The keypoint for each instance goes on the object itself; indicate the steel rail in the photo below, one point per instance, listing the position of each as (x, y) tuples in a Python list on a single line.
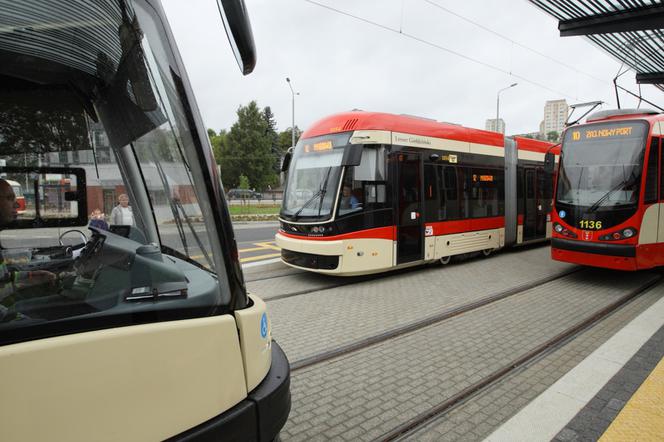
[(550, 345), (417, 325)]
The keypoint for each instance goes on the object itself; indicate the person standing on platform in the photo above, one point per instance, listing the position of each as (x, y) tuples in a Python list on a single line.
[(122, 214)]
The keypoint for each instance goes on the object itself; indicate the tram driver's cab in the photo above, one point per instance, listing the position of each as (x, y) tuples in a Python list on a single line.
[(123, 311)]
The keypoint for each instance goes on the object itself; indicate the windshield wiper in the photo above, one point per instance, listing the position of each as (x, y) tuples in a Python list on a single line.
[(320, 193), (309, 201), (323, 190), (620, 185)]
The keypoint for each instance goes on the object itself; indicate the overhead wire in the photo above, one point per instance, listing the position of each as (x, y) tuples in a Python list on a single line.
[(514, 42), (440, 47)]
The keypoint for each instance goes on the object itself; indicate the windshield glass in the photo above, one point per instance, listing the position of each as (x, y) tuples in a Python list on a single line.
[(601, 164), (94, 137), (313, 177)]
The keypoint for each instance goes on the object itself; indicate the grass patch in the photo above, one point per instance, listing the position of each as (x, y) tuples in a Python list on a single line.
[(254, 210)]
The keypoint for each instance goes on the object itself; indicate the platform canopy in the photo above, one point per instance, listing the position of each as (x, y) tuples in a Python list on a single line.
[(630, 30)]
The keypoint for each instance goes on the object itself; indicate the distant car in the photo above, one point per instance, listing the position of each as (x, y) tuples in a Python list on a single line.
[(244, 194)]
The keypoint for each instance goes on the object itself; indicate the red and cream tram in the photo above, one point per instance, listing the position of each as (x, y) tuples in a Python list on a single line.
[(609, 197), (369, 192)]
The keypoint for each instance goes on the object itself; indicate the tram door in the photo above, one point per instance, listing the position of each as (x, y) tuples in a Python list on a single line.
[(409, 207), (536, 204)]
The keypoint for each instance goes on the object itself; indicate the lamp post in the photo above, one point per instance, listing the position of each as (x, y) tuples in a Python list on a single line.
[(293, 94), (498, 102)]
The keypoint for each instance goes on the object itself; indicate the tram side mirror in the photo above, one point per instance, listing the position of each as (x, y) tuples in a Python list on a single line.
[(235, 17), (47, 196), (285, 162), (352, 155), (549, 163)]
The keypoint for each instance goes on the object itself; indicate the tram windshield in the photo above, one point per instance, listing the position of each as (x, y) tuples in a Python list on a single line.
[(601, 164), (94, 129), (313, 177)]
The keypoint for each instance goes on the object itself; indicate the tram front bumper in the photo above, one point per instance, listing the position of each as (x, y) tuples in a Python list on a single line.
[(611, 256), (320, 256), (259, 417)]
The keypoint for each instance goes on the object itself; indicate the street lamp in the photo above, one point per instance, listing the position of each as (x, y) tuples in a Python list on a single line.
[(498, 102), (293, 94)]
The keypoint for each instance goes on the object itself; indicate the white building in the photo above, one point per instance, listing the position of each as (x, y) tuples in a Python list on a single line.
[(495, 125), (555, 115)]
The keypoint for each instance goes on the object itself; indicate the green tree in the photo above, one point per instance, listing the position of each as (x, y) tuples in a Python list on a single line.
[(244, 182), (275, 150), (552, 136), (218, 141), (247, 150)]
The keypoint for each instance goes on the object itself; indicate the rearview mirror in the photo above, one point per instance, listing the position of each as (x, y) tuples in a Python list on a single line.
[(238, 30), (285, 163), (352, 155), (47, 196), (549, 162)]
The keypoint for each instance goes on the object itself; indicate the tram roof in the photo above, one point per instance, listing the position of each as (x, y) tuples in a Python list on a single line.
[(631, 31), (407, 124)]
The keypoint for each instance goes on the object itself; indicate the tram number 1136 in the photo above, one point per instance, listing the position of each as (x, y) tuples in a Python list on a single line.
[(590, 224)]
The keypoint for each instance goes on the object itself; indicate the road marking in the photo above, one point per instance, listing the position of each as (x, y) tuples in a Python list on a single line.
[(262, 246), (257, 258), (269, 245), (253, 249)]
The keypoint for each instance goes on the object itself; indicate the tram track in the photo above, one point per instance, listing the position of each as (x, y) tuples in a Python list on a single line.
[(558, 341), (417, 325)]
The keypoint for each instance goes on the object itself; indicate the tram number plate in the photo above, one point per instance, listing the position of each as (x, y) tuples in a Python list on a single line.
[(590, 224)]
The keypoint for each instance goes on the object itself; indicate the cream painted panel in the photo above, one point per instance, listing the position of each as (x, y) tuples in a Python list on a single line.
[(649, 225), (429, 142), (485, 149), (519, 234), (658, 128), (310, 246), (502, 237), (660, 224), (529, 155), (425, 142), (549, 229), (366, 254), (458, 243), (430, 247), (371, 137), (256, 349), (137, 383)]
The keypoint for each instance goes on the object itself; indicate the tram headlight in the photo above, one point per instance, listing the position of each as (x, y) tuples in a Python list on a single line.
[(628, 232), (558, 228)]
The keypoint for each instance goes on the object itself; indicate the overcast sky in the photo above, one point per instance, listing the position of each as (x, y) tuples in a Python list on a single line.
[(339, 63)]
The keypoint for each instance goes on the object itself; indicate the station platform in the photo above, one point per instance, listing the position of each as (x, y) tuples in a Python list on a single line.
[(615, 394)]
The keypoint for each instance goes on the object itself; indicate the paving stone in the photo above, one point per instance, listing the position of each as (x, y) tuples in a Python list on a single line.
[(306, 325), (575, 351)]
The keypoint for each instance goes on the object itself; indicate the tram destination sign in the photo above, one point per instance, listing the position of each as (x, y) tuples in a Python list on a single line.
[(605, 131)]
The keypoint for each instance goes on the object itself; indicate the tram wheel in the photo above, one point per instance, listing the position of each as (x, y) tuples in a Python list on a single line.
[(445, 260), (487, 252)]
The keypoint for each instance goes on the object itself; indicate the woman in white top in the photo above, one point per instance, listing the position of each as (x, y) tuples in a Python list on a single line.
[(122, 214)]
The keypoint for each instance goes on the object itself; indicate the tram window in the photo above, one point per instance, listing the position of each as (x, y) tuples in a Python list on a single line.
[(661, 169), (431, 201), (464, 177), (363, 186), (485, 192), (650, 195), (449, 194)]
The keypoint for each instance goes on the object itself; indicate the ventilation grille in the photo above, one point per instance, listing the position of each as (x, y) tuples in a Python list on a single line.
[(350, 124)]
